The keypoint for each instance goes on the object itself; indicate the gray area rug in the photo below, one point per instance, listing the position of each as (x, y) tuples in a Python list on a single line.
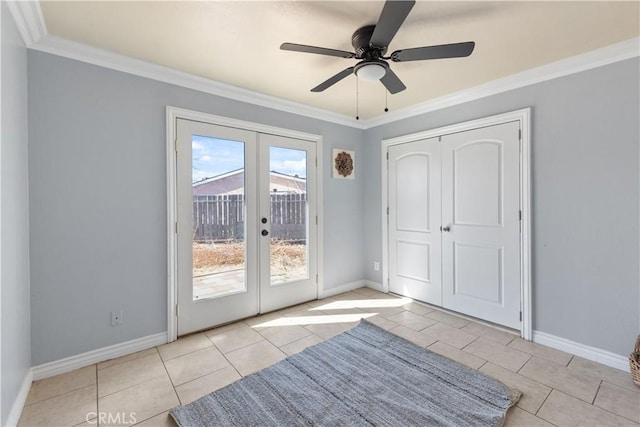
[(362, 377)]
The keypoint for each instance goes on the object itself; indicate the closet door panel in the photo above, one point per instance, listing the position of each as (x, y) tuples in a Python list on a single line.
[(481, 223), (414, 220)]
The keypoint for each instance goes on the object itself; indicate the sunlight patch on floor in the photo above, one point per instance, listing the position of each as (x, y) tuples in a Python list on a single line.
[(364, 303), (314, 320)]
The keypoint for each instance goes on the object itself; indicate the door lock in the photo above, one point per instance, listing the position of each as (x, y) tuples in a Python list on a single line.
[(263, 220)]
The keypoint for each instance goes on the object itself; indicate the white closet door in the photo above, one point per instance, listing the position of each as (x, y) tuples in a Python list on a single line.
[(481, 223), (414, 220)]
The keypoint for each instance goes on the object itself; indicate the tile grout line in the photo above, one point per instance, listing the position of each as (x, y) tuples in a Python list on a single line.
[(61, 394), (244, 346), (279, 347), (595, 396), (510, 341), (529, 412), (594, 406), (604, 409), (125, 361), (635, 389), (231, 364), (175, 392), (570, 360), (525, 364), (468, 344), (524, 377), (169, 376), (542, 404), (133, 385), (617, 415), (170, 380)]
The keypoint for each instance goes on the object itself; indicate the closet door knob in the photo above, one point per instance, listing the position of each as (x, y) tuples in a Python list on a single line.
[(445, 229)]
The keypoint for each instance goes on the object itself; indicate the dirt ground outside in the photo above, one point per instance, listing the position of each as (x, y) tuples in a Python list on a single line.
[(288, 260)]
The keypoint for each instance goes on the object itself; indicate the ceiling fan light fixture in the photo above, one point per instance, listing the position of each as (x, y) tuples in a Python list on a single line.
[(371, 72)]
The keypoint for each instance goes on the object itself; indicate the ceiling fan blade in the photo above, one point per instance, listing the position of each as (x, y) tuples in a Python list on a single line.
[(391, 18), (333, 80), (317, 50), (454, 50), (392, 82)]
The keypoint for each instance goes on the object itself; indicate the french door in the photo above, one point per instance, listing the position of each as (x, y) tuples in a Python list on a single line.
[(247, 233), (454, 222)]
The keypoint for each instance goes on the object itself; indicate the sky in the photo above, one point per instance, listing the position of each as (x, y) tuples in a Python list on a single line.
[(212, 157)]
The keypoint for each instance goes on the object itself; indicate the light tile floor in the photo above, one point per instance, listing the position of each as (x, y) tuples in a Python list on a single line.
[(558, 388)]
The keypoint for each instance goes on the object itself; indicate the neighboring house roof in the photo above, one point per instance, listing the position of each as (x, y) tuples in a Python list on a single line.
[(233, 183)]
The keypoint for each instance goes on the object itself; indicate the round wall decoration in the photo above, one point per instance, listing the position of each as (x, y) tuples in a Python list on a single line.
[(343, 164)]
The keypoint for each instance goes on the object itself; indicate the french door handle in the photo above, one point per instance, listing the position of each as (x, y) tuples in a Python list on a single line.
[(265, 233)]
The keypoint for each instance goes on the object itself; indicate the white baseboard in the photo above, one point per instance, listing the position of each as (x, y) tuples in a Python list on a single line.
[(21, 399), (375, 286), (326, 293), (99, 355), (587, 352)]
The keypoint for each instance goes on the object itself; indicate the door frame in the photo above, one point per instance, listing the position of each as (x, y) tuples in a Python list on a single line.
[(175, 113), (522, 116)]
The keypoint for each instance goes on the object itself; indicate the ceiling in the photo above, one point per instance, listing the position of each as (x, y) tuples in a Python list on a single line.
[(237, 42)]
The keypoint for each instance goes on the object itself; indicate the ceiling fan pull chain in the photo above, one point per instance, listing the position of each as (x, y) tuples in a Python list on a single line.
[(357, 100), (386, 105)]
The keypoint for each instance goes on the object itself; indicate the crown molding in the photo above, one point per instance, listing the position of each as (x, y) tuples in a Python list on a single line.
[(28, 18), (81, 52), (597, 58), (30, 22)]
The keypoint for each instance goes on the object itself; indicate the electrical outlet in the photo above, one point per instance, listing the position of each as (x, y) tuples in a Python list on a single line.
[(116, 318), (376, 265)]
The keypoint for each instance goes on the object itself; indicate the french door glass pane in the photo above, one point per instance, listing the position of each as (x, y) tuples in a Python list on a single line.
[(218, 190), (288, 193)]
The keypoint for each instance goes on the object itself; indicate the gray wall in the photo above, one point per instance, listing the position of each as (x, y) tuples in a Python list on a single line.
[(14, 214), (96, 135), (585, 155), (98, 243)]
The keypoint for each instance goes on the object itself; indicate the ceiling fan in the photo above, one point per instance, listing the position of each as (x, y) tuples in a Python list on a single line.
[(371, 43)]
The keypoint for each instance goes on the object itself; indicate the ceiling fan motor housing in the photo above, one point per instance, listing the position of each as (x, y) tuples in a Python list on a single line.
[(360, 41)]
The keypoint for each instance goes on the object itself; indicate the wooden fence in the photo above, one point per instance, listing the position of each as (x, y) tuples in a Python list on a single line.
[(217, 218)]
